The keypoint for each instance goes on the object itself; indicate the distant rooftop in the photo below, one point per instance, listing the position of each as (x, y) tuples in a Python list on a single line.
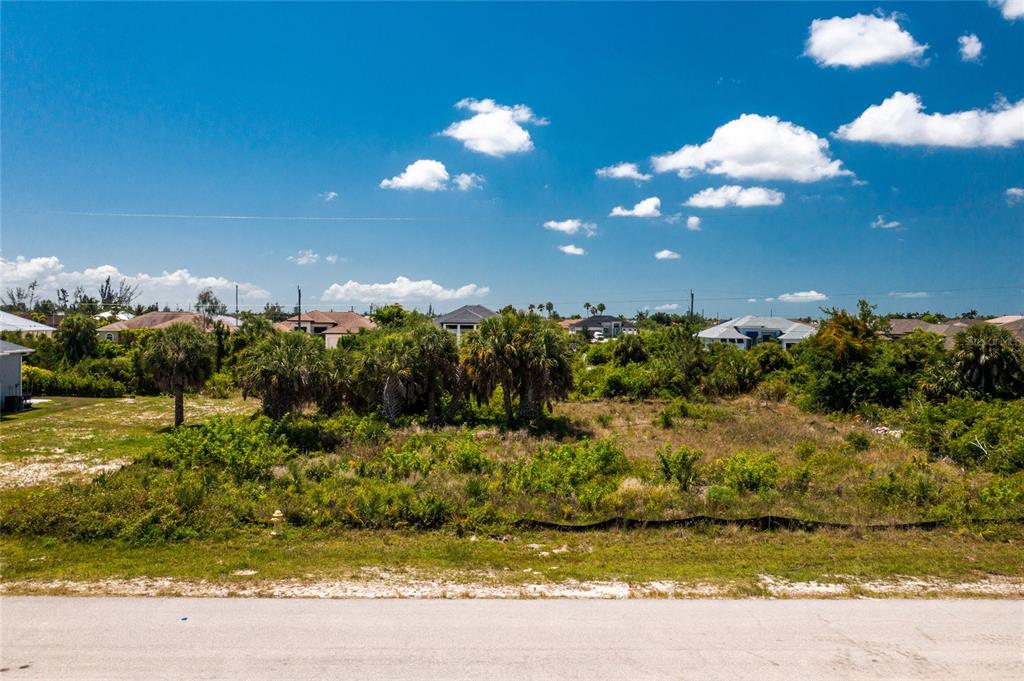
[(467, 314)]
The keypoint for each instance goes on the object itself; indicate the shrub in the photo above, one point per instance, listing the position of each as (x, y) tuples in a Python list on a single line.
[(605, 420), (720, 496), (908, 484), (638, 499), (805, 449), (773, 390), (467, 456), (748, 471), (679, 465), (583, 470), (664, 419), (247, 449), (44, 382), (972, 433), (220, 386), (858, 441)]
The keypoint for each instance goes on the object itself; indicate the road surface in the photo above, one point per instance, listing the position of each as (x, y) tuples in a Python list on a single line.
[(176, 638)]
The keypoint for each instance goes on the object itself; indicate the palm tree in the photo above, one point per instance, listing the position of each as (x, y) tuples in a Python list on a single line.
[(436, 358), (587, 307), (525, 355), (989, 360), (179, 358), (600, 308), (286, 371)]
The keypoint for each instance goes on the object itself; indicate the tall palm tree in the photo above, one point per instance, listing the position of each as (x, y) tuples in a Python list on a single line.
[(77, 337), (286, 371), (179, 358), (436, 358)]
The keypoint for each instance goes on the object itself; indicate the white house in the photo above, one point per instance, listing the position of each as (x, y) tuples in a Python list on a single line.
[(746, 332), (464, 319), (12, 322), (609, 326), (10, 374)]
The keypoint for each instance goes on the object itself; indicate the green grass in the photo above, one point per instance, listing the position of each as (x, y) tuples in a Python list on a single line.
[(731, 557), (101, 428)]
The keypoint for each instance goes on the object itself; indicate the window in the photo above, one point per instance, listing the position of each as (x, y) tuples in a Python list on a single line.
[(110, 336)]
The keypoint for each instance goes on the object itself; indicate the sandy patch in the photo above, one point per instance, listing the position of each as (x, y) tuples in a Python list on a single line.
[(54, 469), (384, 584)]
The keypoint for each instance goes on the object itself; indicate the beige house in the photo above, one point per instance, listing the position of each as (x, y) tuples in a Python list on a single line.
[(330, 325), (161, 320)]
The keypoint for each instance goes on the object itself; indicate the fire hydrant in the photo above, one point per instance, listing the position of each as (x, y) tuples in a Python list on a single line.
[(276, 519)]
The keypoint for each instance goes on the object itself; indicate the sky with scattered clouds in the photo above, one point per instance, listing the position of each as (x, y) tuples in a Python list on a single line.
[(479, 153)]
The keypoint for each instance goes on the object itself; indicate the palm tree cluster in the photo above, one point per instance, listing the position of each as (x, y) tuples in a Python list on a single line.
[(528, 358)]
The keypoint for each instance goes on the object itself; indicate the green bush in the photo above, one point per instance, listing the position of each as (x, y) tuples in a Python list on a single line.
[(858, 441), (972, 433), (245, 448), (220, 386), (749, 471), (679, 465), (584, 471), (44, 382), (721, 497)]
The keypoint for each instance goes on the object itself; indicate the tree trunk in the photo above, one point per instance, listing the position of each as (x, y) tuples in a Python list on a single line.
[(179, 406), (506, 393), (431, 402)]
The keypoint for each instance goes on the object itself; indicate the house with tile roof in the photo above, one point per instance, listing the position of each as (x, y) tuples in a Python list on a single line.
[(330, 325), (746, 332), (161, 320)]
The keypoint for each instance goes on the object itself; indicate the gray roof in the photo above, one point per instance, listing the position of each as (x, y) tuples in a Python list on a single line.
[(467, 314), (791, 331), (12, 322), (13, 349)]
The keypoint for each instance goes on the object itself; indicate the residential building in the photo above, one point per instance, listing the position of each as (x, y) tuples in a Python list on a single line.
[(330, 325), (899, 327), (13, 322), (464, 319), (606, 325), (11, 355), (161, 320), (746, 332)]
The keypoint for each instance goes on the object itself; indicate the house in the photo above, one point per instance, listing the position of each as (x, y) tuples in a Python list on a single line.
[(607, 325), (108, 316), (746, 332), (899, 328), (464, 319), (11, 355), (161, 320), (331, 325), (13, 322)]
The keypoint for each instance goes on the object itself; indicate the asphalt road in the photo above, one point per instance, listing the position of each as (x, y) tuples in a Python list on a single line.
[(149, 638)]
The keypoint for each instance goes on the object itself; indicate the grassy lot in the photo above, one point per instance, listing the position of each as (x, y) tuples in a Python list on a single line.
[(735, 559), (102, 428), (120, 430)]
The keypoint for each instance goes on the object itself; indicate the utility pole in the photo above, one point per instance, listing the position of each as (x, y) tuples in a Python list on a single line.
[(691, 304), (299, 311), (236, 304)]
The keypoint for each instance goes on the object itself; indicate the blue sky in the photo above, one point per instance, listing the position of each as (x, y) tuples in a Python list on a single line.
[(114, 115)]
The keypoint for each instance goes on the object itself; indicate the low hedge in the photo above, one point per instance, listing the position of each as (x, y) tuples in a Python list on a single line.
[(39, 381)]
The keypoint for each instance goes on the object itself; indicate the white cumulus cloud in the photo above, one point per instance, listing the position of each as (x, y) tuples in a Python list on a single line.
[(734, 195), (908, 294), (571, 249), (171, 288), (331, 259), (861, 40), (571, 226), (666, 254), (881, 223), (401, 289), (693, 223), (1015, 195), (648, 208), (668, 306), (970, 47), (900, 120), (306, 257), (466, 181), (623, 171), (494, 129), (425, 174), (811, 296), (328, 196), (756, 147), (1011, 9)]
